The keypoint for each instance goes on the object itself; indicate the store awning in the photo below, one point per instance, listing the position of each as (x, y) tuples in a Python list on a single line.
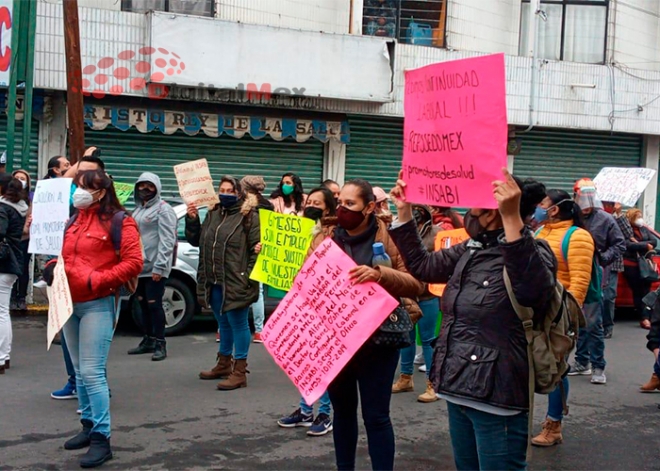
[(98, 117)]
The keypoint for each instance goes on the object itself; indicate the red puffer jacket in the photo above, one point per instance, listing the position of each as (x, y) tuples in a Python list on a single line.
[(92, 267)]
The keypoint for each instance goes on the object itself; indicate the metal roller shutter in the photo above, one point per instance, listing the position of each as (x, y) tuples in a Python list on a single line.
[(34, 145), (129, 153), (375, 150), (560, 157)]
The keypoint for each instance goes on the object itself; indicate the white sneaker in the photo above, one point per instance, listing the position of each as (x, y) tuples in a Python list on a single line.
[(598, 377), (419, 359), (422, 369)]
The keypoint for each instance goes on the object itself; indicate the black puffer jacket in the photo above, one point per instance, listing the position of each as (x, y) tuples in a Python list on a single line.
[(481, 354), (12, 221)]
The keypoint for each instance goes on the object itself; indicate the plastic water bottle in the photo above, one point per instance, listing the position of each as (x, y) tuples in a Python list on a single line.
[(380, 257)]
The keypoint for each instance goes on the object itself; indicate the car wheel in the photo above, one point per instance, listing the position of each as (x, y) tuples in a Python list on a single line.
[(178, 304)]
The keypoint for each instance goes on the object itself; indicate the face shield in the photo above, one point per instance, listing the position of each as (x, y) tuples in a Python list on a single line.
[(588, 200)]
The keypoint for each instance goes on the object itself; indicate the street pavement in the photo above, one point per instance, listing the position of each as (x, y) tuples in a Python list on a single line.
[(164, 417)]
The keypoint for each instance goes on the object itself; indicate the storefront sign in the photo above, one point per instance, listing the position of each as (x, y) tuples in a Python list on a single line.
[(622, 185), (455, 132), (98, 117)]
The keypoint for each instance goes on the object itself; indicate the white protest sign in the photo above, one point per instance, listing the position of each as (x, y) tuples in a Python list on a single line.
[(622, 185), (196, 184), (60, 305), (50, 212)]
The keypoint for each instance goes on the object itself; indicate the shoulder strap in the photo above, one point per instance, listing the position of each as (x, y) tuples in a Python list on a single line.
[(524, 313), (70, 222), (565, 242), (538, 231), (115, 229)]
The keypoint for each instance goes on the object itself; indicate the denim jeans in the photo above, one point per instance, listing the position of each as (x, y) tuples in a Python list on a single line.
[(259, 311), (371, 372), (426, 326), (609, 298), (556, 402), (656, 367), (235, 335), (89, 332), (591, 341), (6, 334), (70, 371), (150, 295), (325, 406), (486, 441)]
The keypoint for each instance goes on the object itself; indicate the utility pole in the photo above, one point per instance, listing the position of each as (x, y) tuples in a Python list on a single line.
[(74, 97)]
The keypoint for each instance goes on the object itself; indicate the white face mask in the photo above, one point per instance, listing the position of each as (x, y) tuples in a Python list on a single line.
[(83, 199), (24, 183), (639, 222)]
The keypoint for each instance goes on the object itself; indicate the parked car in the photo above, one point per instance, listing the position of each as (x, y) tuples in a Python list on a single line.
[(624, 297)]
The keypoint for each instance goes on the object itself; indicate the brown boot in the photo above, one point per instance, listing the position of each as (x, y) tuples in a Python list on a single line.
[(550, 435), (652, 386), (403, 384), (237, 378), (429, 395), (222, 369)]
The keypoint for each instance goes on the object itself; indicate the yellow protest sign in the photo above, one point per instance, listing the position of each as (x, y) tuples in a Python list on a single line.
[(444, 240), (285, 240)]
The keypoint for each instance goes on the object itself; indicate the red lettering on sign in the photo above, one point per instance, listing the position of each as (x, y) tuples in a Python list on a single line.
[(5, 56)]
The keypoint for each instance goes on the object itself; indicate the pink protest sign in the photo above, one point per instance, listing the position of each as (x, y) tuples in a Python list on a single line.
[(323, 320), (455, 132)]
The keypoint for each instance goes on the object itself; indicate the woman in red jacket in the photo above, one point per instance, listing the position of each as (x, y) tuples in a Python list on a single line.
[(96, 272)]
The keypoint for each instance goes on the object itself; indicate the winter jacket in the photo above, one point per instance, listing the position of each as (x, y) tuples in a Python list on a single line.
[(12, 221), (396, 280), (575, 273), (264, 203), (653, 335), (644, 238), (280, 207), (481, 354), (226, 241), (93, 268), (158, 224), (607, 236)]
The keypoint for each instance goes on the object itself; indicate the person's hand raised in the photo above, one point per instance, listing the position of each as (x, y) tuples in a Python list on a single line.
[(398, 195)]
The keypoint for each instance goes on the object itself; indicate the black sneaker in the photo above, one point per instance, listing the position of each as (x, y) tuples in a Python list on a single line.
[(297, 419), (147, 345), (321, 426), (160, 351)]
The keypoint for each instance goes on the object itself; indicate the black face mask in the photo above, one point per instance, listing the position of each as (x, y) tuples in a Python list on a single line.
[(145, 194), (472, 225), (313, 213)]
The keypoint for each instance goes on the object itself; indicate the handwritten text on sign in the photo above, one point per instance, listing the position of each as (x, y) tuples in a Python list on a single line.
[(50, 211), (196, 184), (60, 305), (622, 185), (285, 241), (323, 321), (455, 132)]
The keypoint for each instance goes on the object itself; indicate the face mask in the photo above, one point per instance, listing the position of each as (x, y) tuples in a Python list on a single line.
[(287, 189), (639, 222), (348, 219), (540, 214), (24, 184), (83, 199), (227, 201), (313, 213), (145, 194), (472, 225)]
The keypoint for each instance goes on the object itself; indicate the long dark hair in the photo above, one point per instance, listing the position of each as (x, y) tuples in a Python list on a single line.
[(568, 209), (328, 199), (533, 192), (53, 163), (366, 190), (99, 180), (11, 188), (295, 197)]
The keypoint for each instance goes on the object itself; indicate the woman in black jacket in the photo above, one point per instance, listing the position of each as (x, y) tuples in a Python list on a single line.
[(13, 210), (638, 246), (480, 361)]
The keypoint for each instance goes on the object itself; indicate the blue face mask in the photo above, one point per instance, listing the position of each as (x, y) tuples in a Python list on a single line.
[(540, 214), (227, 201)]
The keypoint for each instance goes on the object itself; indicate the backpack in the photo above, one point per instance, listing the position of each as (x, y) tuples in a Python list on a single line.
[(595, 291)]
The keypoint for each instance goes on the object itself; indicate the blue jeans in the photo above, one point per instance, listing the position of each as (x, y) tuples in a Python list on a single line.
[(234, 327), (67, 360), (426, 325), (609, 298), (656, 366), (89, 332), (325, 407), (591, 341), (486, 441), (259, 311), (556, 402)]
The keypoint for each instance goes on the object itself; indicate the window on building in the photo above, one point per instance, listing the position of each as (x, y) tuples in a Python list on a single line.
[(569, 30), (420, 22), (187, 7)]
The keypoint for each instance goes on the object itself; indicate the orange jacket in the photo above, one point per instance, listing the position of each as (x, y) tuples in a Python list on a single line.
[(574, 274)]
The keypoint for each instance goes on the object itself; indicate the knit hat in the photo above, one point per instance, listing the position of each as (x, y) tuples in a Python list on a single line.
[(253, 183)]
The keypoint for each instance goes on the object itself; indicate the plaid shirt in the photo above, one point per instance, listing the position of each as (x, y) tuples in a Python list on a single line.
[(627, 231)]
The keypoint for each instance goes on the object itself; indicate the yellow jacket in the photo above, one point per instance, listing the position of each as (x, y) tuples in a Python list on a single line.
[(575, 274)]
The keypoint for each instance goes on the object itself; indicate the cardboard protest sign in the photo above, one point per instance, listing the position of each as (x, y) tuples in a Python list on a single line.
[(60, 305), (323, 321), (444, 240), (622, 185), (455, 132), (285, 241), (50, 211), (196, 184), (124, 191)]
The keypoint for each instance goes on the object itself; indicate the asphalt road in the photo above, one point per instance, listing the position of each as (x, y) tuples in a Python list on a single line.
[(165, 418)]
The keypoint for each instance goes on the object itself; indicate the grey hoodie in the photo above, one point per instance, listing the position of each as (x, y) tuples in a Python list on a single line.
[(158, 229)]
